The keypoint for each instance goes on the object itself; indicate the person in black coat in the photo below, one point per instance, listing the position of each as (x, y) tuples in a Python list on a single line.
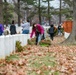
[(51, 32), (12, 28)]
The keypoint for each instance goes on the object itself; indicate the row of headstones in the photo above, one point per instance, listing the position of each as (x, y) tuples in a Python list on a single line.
[(8, 43)]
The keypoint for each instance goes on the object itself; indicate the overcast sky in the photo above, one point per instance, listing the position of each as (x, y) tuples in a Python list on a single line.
[(54, 3)]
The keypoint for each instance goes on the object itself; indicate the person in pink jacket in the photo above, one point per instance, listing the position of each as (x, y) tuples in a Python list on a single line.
[(39, 31)]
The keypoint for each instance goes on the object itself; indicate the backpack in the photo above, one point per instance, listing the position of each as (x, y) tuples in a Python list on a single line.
[(51, 30), (59, 27)]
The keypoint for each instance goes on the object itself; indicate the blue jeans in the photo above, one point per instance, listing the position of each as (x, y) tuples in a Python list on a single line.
[(0, 33), (25, 32), (38, 38), (59, 32)]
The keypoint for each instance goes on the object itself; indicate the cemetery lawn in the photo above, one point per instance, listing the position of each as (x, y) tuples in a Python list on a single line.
[(55, 59)]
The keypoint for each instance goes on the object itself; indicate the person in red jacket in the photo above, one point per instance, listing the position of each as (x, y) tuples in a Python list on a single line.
[(39, 31)]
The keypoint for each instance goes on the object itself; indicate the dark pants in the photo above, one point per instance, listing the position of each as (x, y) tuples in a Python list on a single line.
[(52, 36), (25, 32), (37, 37)]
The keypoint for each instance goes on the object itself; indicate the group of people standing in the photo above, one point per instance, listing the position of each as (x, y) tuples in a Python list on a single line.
[(37, 29), (13, 30), (25, 27)]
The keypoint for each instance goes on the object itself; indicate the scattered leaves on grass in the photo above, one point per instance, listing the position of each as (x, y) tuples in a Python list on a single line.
[(40, 60)]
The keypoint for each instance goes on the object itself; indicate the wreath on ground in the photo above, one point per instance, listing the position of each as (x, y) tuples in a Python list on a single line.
[(45, 42)]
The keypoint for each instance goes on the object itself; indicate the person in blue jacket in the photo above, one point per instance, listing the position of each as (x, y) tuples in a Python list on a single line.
[(1, 29)]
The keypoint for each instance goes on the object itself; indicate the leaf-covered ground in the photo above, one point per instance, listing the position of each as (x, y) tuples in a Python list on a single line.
[(39, 60)]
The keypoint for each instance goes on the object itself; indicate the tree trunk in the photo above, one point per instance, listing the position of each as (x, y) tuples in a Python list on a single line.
[(49, 11), (39, 13), (1, 12), (5, 11), (72, 38), (18, 12), (60, 12)]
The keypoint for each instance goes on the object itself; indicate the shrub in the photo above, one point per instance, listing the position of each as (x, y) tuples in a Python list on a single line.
[(19, 48), (45, 42)]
